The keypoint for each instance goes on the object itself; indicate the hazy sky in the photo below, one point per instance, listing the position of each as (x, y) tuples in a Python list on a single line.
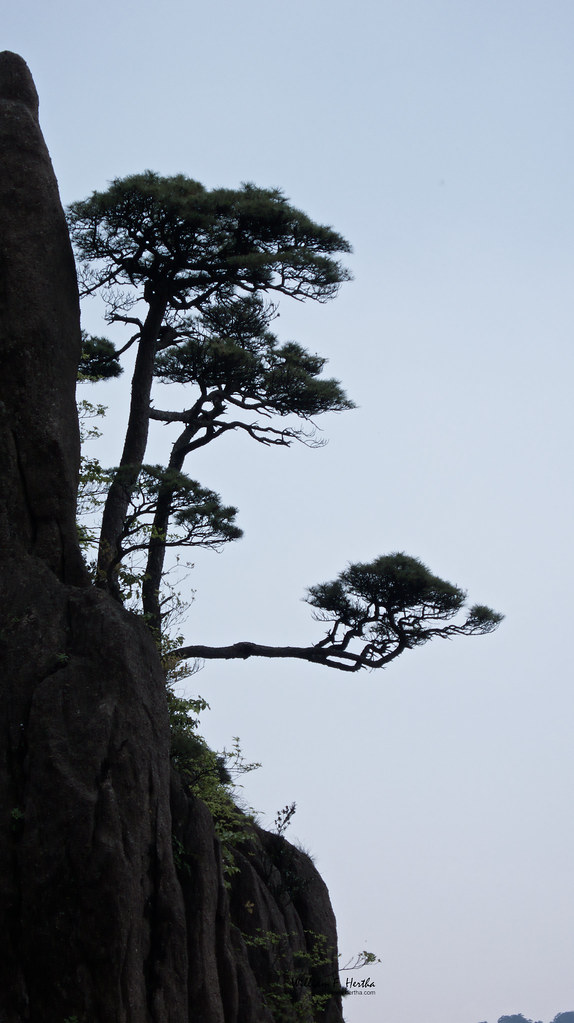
[(436, 136)]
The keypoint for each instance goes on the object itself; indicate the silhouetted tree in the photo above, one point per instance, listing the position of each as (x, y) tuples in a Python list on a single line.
[(516, 1018), (199, 264), (194, 272), (374, 612)]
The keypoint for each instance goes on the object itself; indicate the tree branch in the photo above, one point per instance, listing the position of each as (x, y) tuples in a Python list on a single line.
[(332, 656), (244, 650)]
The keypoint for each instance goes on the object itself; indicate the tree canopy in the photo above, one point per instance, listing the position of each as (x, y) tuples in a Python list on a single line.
[(515, 1018), (196, 274), (186, 245)]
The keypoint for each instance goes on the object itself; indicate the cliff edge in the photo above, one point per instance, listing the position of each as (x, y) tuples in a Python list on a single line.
[(99, 923)]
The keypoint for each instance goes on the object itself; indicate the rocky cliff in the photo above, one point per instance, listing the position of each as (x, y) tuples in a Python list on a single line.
[(99, 922)]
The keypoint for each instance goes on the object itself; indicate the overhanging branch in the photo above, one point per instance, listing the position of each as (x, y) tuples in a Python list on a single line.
[(331, 656)]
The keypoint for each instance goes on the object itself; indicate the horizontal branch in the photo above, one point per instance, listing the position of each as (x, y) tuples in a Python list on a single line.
[(244, 650), (333, 656)]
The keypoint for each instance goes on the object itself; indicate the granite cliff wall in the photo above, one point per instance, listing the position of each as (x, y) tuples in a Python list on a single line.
[(97, 922)]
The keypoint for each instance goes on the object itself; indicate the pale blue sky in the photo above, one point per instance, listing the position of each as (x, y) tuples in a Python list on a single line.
[(437, 136)]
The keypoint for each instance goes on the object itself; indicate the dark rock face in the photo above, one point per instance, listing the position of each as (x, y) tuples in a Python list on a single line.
[(96, 922), (279, 896), (91, 915), (262, 946), (40, 339)]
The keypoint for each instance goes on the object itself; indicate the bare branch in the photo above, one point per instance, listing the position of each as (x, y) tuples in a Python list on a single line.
[(242, 651)]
